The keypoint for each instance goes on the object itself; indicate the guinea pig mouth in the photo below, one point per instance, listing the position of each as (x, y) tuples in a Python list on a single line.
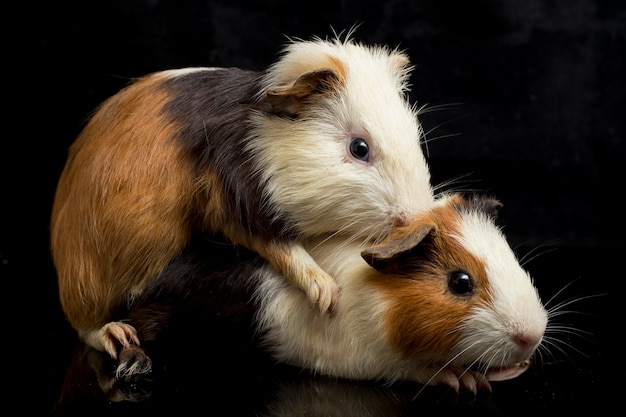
[(509, 372)]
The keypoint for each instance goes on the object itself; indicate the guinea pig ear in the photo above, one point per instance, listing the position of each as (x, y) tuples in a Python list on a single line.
[(379, 255), (489, 205), (289, 100), (401, 67), (400, 60)]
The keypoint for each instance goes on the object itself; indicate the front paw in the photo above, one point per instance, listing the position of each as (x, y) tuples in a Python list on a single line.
[(461, 379), (323, 293)]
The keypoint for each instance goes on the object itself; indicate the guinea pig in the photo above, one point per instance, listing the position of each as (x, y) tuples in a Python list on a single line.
[(322, 142), (441, 301)]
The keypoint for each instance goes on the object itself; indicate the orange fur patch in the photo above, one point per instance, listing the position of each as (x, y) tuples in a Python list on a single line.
[(339, 67), (123, 198), (424, 317)]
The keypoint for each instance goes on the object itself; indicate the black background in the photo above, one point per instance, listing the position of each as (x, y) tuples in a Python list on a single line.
[(527, 103)]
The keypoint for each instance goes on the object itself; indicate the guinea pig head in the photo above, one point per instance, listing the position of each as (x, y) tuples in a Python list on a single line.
[(455, 292), (338, 145)]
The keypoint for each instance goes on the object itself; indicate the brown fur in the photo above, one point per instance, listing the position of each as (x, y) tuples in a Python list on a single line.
[(200, 150), (140, 179), (421, 306), (291, 99), (148, 191)]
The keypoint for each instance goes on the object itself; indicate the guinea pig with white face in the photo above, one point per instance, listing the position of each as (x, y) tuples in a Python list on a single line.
[(441, 301), (322, 142)]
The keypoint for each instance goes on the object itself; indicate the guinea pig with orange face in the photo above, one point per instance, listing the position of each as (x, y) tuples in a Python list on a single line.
[(324, 142), (441, 301)]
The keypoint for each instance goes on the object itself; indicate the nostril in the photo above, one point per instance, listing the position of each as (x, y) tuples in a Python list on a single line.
[(525, 340), (522, 340)]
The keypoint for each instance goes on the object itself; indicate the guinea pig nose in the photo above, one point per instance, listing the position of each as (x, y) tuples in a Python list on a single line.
[(526, 341)]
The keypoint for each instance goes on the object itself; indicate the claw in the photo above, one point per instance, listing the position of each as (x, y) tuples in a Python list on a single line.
[(468, 382), (113, 334), (447, 377), (313, 293), (474, 382), (461, 379), (323, 293)]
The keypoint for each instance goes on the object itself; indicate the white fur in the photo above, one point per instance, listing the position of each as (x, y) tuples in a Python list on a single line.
[(179, 72), (310, 173), (352, 344), (355, 343), (516, 308)]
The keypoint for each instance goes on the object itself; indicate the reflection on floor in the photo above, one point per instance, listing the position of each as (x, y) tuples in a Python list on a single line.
[(195, 375)]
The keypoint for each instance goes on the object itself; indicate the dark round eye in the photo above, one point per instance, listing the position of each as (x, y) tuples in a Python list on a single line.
[(360, 149), (460, 283)]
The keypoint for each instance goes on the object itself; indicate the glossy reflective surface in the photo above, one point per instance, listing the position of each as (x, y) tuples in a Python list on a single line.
[(526, 101), (196, 375)]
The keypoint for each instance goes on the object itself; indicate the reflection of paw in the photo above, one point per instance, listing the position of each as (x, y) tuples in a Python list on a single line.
[(323, 292), (133, 362), (461, 379), (116, 388), (117, 332), (136, 390)]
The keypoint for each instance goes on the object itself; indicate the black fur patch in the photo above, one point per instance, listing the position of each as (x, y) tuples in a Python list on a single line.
[(213, 109), (204, 296)]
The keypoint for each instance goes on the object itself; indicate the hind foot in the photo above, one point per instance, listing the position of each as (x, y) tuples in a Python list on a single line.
[(110, 336)]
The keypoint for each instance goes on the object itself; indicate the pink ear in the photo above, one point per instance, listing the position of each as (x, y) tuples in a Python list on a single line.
[(289, 100), (396, 245)]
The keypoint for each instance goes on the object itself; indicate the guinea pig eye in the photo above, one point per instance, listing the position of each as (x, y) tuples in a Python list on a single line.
[(460, 283), (360, 149)]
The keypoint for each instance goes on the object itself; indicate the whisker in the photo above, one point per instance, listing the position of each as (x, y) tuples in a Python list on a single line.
[(442, 368), (484, 364), (427, 108), (558, 293), (571, 331), (446, 136), (559, 335), (425, 134), (446, 186), (557, 343), (553, 310), (332, 235), (432, 129), (527, 258)]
